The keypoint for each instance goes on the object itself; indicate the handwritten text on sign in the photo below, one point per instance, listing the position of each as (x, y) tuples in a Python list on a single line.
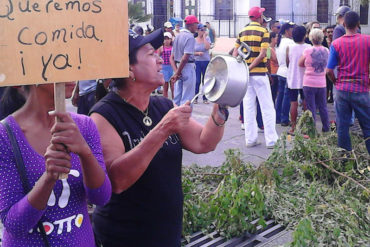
[(45, 41)]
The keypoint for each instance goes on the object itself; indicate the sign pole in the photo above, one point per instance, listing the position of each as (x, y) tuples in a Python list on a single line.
[(60, 106)]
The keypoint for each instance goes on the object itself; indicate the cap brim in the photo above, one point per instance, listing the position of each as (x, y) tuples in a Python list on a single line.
[(155, 39)]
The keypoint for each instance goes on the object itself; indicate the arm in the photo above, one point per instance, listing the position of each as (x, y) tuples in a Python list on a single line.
[(96, 183), (207, 43), (125, 168), (332, 63), (302, 61), (331, 75), (287, 56), (258, 59), (172, 62), (183, 62), (202, 139), (21, 212)]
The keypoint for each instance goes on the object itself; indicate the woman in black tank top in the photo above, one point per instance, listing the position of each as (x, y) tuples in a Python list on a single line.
[(142, 139)]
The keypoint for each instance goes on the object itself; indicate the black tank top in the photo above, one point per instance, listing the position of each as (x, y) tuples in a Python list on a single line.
[(149, 213)]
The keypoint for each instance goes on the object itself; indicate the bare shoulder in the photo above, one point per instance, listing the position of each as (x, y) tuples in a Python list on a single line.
[(111, 141)]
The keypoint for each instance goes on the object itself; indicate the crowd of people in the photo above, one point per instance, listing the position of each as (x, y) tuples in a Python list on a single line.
[(300, 67), (126, 156)]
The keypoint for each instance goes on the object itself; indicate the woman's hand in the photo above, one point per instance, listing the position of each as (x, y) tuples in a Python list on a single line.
[(68, 134), (177, 118), (57, 161)]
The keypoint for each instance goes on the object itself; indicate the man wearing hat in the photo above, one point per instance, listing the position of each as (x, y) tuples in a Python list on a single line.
[(257, 38), (168, 28), (182, 61)]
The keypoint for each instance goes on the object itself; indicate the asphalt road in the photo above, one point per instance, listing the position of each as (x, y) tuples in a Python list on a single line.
[(233, 139)]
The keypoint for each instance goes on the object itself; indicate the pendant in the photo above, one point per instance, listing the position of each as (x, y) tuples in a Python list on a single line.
[(147, 121)]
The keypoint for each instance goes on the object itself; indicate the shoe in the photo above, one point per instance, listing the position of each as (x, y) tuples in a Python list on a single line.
[(205, 101), (159, 91), (195, 101), (253, 144), (270, 146), (285, 124), (330, 100), (242, 127), (260, 130)]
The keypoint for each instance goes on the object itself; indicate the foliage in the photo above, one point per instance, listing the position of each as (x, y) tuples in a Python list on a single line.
[(316, 189), (136, 13), (221, 198)]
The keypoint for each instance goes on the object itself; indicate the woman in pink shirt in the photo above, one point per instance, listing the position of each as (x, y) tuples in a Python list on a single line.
[(315, 60)]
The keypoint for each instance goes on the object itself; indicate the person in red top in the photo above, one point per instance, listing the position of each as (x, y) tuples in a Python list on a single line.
[(351, 53)]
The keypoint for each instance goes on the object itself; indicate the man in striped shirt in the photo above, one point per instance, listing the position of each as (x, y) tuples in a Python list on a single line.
[(257, 38), (351, 53)]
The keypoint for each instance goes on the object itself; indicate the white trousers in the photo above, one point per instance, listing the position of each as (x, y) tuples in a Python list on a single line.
[(259, 86)]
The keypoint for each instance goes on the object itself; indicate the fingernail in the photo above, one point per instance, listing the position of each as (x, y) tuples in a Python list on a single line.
[(51, 112)]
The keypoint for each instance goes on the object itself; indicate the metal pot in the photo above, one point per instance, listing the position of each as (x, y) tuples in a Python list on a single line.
[(226, 78)]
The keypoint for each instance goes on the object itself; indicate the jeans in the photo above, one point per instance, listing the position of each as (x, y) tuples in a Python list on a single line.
[(345, 103), (85, 103), (316, 99), (282, 102), (200, 71), (274, 87), (259, 87), (185, 86)]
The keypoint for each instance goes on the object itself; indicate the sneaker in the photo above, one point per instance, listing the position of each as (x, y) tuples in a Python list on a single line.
[(195, 101), (253, 144), (205, 101), (270, 146), (242, 127), (260, 130)]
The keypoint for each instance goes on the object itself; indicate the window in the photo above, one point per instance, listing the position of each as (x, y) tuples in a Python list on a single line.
[(143, 4), (322, 11), (223, 9), (189, 7), (270, 6), (364, 14), (344, 2)]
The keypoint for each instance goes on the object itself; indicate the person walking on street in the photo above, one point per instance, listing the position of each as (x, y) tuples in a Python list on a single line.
[(182, 61), (295, 72), (165, 53), (257, 37), (283, 102), (202, 58), (351, 55), (315, 59), (211, 33)]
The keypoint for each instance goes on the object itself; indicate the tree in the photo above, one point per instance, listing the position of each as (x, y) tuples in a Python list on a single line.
[(136, 13)]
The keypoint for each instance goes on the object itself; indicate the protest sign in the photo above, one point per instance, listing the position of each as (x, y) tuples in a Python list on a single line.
[(43, 41)]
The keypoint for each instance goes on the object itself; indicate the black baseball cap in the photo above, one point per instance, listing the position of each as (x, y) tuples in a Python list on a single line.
[(136, 41)]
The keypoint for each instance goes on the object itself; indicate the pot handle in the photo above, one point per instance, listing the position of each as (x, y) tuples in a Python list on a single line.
[(242, 55)]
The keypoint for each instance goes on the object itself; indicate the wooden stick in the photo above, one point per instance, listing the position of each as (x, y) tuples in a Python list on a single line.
[(60, 106), (343, 175)]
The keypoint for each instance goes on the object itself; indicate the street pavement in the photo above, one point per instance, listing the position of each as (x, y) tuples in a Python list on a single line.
[(233, 138)]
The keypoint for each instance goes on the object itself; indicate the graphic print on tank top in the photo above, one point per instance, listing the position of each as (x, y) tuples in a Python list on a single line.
[(319, 60)]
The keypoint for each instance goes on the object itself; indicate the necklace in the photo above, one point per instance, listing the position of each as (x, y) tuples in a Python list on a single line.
[(147, 121)]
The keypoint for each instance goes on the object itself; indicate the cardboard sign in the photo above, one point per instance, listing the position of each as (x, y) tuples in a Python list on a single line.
[(44, 41)]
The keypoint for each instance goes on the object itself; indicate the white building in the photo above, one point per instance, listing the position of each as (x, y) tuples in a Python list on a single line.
[(229, 16)]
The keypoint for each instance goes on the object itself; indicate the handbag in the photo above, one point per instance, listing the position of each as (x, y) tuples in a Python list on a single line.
[(22, 173)]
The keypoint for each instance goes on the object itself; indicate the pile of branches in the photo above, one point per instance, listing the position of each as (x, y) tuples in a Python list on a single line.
[(316, 189)]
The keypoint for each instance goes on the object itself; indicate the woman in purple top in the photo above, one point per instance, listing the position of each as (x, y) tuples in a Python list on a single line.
[(61, 205), (315, 59)]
